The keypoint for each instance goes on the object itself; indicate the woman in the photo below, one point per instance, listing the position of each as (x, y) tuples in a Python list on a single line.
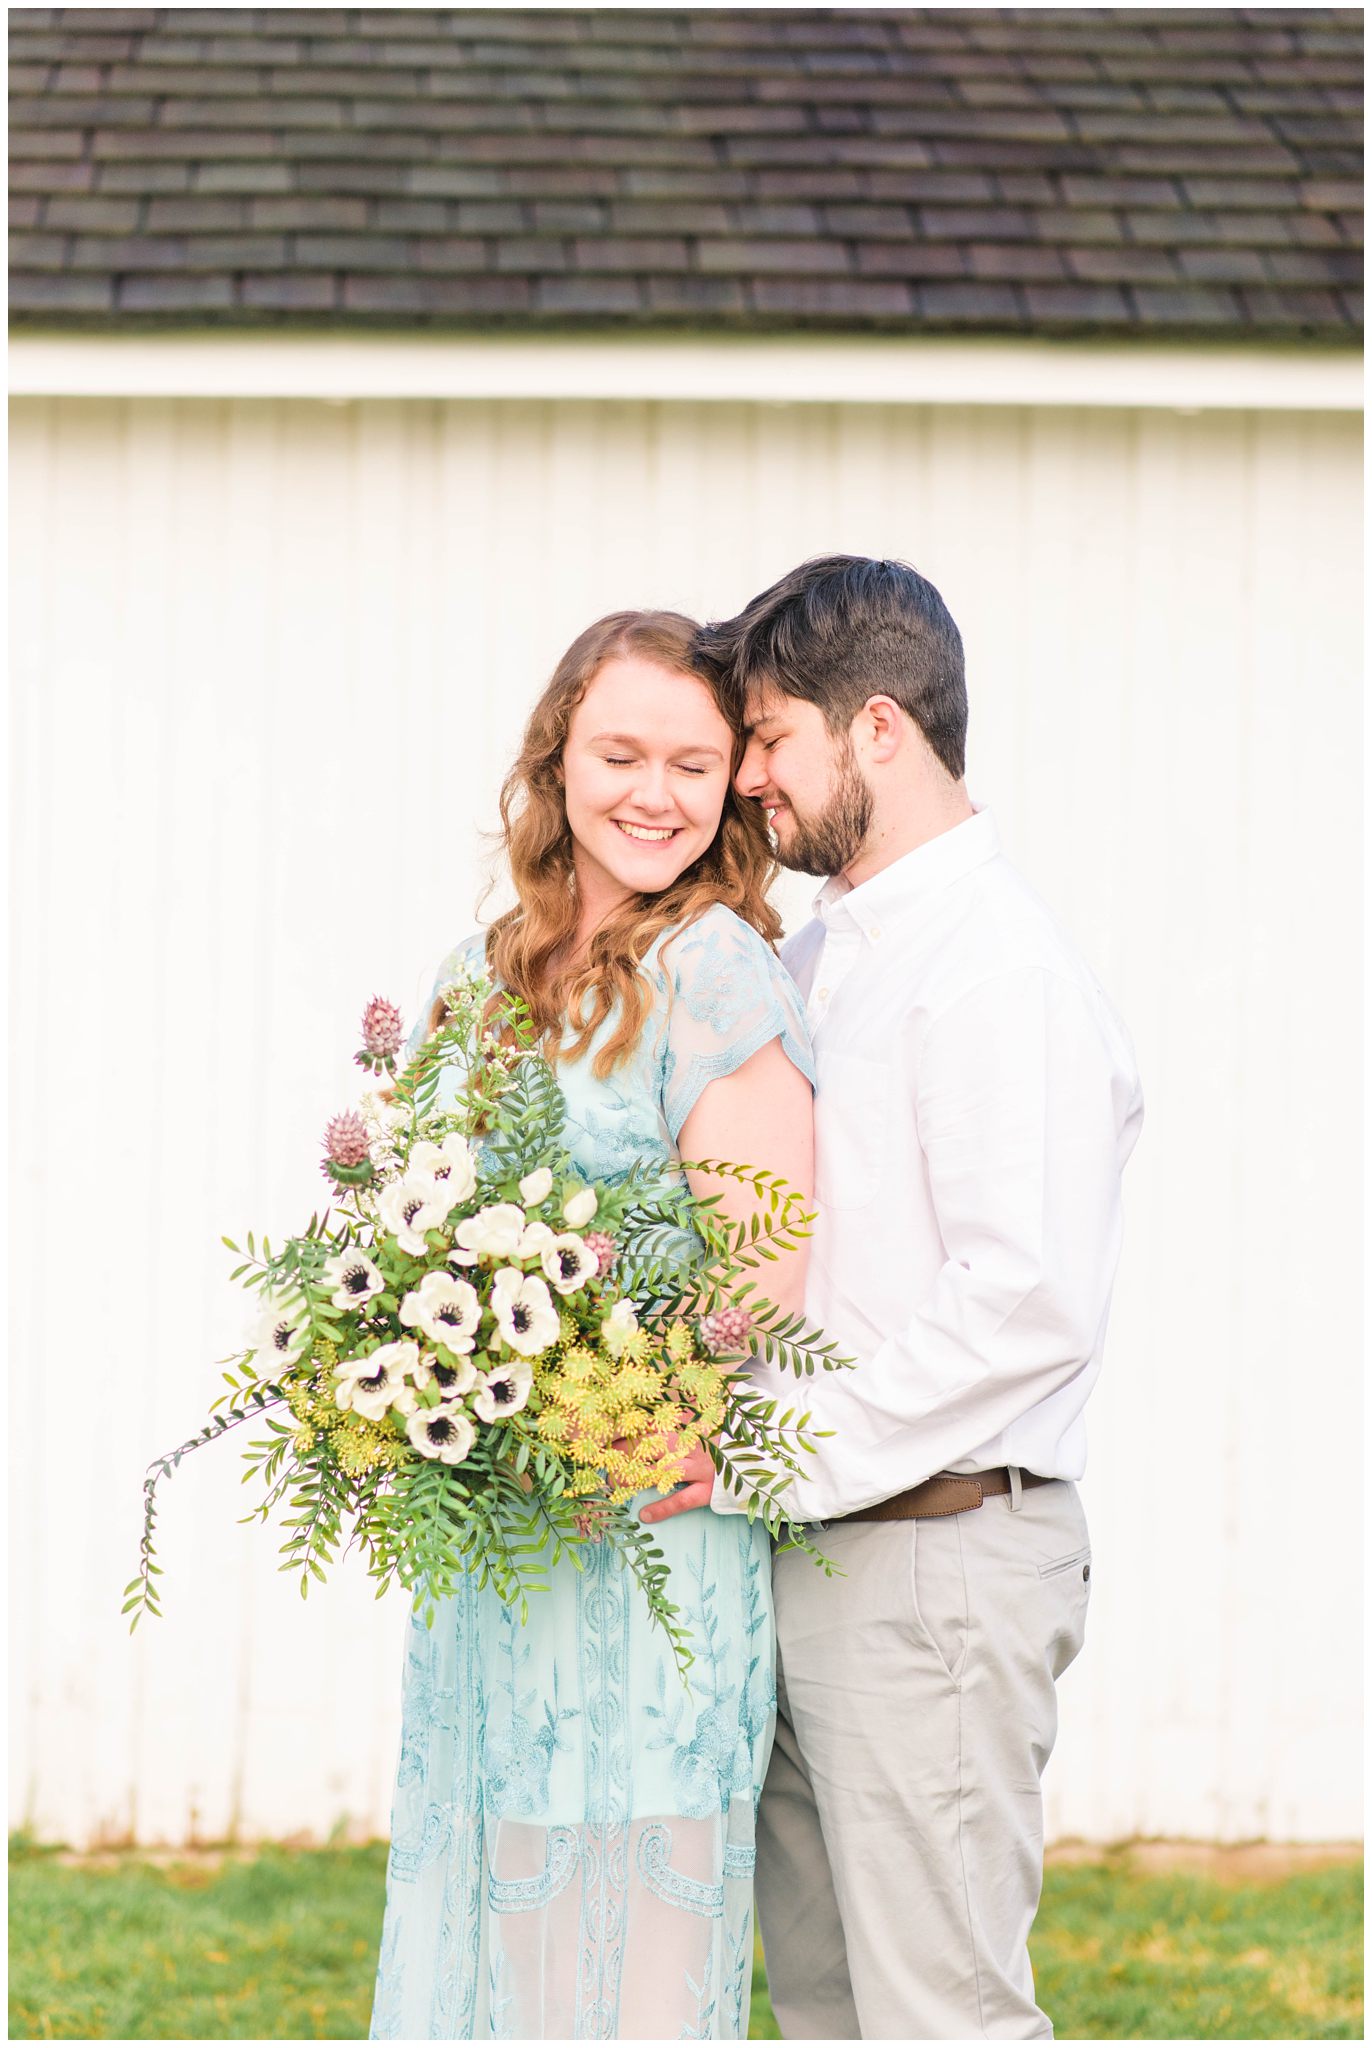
[(572, 1834)]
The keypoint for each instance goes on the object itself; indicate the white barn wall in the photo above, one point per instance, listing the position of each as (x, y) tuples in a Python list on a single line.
[(270, 658)]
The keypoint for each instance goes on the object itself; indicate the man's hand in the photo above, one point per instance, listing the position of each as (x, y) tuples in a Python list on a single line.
[(697, 1484)]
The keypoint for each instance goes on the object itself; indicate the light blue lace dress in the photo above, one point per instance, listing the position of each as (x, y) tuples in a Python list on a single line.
[(572, 1831)]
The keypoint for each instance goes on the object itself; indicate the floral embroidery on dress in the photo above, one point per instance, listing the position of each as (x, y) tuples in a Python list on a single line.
[(518, 1752), (574, 1729), (703, 1994)]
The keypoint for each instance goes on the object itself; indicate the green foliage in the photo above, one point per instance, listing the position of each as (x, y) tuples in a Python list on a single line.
[(140, 1595), (508, 1512)]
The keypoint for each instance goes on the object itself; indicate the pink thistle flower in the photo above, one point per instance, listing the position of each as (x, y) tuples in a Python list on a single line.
[(726, 1330), (603, 1248), (383, 1030), (345, 1139)]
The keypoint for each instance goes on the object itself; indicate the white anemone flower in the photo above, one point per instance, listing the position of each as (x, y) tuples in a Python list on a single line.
[(283, 1331), (494, 1232), (446, 1310), (578, 1209), (503, 1391), (524, 1311), (353, 1278), (371, 1385), (451, 1380), (443, 1432), (536, 1186), (568, 1264), (618, 1327), (449, 1165), (408, 1208), (535, 1241)]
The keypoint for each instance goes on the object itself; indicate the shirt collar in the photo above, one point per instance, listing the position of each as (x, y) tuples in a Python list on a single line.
[(910, 880)]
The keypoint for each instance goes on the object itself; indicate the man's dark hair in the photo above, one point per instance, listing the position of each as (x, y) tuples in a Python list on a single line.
[(843, 628)]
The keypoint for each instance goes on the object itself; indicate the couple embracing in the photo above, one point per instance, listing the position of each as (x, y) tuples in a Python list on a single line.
[(576, 1837)]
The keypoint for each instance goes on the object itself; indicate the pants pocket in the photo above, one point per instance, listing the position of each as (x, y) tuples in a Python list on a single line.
[(938, 1591), (1075, 1560)]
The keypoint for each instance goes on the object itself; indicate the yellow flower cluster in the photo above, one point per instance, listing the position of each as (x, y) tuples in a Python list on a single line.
[(626, 1423), (361, 1446), (308, 1395)]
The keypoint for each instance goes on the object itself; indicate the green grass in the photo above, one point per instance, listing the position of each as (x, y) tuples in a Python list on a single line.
[(1178, 1957), (282, 1946)]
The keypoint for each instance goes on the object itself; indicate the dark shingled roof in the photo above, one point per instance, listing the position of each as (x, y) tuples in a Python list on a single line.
[(1000, 171)]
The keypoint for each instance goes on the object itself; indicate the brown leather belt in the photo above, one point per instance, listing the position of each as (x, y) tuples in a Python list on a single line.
[(947, 1493)]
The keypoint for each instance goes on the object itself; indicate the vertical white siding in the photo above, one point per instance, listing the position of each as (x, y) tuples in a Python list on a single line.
[(269, 662)]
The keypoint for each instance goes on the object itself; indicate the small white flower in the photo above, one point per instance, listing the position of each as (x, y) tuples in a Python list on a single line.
[(618, 1327), (283, 1330), (384, 1121), (446, 1310), (450, 1166), (408, 1208), (578, 1209), (371, 1385), (536, 1186), (524, 1311), (494, 1232), (503, 1391), (452, 1380), (443, 1432), (353, 1278), (568, 1264), (535, 1241)]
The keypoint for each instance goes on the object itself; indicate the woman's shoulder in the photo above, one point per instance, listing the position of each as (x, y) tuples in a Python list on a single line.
[(467, 957), (716, 935), (461, 961)]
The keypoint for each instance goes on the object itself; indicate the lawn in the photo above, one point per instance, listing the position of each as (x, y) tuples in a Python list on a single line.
[(281, 1945)]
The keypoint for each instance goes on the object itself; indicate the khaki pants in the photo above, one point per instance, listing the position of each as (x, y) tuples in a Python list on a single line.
[(900, 1840)]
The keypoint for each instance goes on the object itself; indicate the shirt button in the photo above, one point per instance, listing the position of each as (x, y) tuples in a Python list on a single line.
[(824, 995), (1085, 1573), (876, 931)]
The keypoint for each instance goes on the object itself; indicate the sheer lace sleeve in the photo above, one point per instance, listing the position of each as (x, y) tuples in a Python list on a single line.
[(728, 995), (471, 955)]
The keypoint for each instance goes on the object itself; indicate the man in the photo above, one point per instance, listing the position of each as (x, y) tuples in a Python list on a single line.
[(976, 1102)]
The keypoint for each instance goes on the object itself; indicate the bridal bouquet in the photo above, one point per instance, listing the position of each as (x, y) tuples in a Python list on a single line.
[(477, 1358)]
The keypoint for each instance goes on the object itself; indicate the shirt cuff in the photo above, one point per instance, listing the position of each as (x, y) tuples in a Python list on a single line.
[(723, 1502)]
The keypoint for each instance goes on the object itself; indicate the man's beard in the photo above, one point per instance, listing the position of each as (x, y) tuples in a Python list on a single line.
[(825, 843)]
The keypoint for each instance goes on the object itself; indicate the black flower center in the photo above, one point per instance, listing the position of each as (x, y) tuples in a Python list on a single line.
[(451, 1314), (441, 1430), (520, 1318), (412, 1208), (569, 1263), (374, 1382), (444, 1374), (283, 1336), (356, 1280), (501, 1390)]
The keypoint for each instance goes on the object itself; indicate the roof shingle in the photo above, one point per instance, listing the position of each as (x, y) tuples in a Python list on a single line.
[(993, 170)]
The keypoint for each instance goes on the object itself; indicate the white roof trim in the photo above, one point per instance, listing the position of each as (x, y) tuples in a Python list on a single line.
[(880, 369)]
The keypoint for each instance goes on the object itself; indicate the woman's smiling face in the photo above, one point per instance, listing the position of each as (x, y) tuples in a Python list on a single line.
[(645, 768)]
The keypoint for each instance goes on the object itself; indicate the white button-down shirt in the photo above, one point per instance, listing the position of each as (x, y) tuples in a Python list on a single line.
[(976, 1101)]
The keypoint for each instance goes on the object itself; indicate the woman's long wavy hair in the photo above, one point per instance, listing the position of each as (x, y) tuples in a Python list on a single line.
[(523, 946)]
